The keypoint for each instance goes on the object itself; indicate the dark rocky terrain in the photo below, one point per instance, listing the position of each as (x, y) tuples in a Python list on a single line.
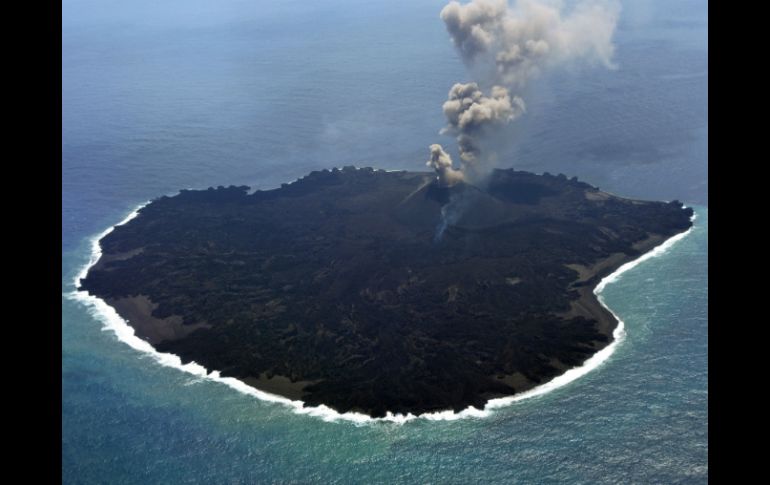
[(380, 291)]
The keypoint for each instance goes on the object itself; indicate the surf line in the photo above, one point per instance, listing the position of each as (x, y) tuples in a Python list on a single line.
[(114, 323)]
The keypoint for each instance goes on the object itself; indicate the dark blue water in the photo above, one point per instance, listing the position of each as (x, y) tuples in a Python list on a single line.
[(158, 97)]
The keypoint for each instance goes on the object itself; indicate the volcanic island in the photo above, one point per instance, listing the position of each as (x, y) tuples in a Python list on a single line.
[(375, 291)]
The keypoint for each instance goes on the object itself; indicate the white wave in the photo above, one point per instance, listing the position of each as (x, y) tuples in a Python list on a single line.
[(694, 214), (96, 250), (656, 251), (125, 333)]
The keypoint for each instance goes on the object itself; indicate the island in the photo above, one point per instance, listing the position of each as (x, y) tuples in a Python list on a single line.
[(380, 291)]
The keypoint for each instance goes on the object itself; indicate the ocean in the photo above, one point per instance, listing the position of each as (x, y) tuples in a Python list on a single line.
[(157, 97)]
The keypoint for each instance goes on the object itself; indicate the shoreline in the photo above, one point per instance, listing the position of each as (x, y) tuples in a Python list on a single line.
[(113, 321)]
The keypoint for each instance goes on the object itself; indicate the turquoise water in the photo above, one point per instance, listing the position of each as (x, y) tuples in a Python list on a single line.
[(641, 417), (159, 96)]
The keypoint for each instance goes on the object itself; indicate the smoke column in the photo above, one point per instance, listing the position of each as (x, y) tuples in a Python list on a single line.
[(512, 45), (441, 162), (470, 114)]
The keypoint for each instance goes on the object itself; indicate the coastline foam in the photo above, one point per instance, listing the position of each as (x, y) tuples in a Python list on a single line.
[(113, 322)]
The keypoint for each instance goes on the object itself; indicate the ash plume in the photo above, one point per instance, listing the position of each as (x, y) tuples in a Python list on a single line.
[(511, 45), (520, 41), (441, 162), (471, 25), (471, 114)]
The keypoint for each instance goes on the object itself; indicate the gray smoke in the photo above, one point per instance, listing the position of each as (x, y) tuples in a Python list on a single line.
[(471, 25), (441, 162), (513, 45), (533, 34), (471, 114)]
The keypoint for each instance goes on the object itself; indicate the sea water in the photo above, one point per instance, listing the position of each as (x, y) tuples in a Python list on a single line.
[(158, 97)]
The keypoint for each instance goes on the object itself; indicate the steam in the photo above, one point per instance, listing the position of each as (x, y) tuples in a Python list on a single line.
[(450, 214), (511, 46)]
